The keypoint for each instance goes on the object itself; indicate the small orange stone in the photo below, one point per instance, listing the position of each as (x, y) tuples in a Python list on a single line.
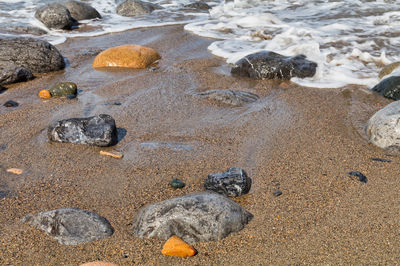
[(98, 263), (14, 171), (284, 84), (177, 247), (44, 94)]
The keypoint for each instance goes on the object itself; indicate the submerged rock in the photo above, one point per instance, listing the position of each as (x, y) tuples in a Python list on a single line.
[(97, 130), (71, 226), (389, 69), (235, 98), (206, 216), (389, 88), (131, 8), (232, 183), (270, 65), (55, 16), (63, 89), (14, 74), (80, 10)]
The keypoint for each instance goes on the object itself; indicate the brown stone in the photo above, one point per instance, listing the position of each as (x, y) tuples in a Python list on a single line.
[(98, 263)]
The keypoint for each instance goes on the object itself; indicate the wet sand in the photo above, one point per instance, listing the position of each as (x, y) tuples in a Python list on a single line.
[(302, 141)]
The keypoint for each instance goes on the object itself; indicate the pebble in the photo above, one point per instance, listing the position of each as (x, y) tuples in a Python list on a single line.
[(381, 160), (277, 193), (176, 183), (11, 103), (99, 263), (113, 154), (15, 171), (233, 182), (178, 248), (361, 177)]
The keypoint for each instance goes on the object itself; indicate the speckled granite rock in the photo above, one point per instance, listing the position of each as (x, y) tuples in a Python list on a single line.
[(232, 183), (131, 8), (55, 16), (14, 74)]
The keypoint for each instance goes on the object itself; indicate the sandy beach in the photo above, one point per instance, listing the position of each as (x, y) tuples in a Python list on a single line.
[(302, 141)]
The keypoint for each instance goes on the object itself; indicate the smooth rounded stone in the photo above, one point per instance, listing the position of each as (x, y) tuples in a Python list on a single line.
[(198, 5), (55, 16), (383, 128), (232, 183), (63, 89), (80, 10), (235, 98), (131, 8), (71, 226), (97, 130), (389, 88), (360, 176), (176, 183), (33, 54), (11, 103), (205, 216), (127, 56), (389, 69), (15, 74), (277, 193), (269, 65)]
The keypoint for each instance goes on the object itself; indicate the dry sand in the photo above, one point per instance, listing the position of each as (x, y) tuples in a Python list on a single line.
[(303, 141)]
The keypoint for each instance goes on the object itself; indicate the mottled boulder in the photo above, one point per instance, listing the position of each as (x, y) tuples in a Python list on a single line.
[(127, 56), (198, 5), (235, 98), (383, 128), (270, 65), (33, 54), (232, 183), (131, 8), (55, 16), (63, 89), (389, 88), (389, 69), (97, 130), (205, 216), (80, 10), (71, 226), (14, 74)]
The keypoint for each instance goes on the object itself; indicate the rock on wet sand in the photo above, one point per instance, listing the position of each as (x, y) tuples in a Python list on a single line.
[(231, 97), (232, 183)]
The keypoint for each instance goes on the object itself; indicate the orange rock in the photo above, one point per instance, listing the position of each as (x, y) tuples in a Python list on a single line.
[(128, 56), (284, 84), (15, 171), (45, 94), (177, 247), (98, 263), (114, 154)]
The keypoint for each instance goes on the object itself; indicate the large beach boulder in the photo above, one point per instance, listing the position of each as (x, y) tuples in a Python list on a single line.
[(33, 54), (71, 226), (80, 10), (270, 65), (127, 56), (389, 88), (55, 16), (231, 97), (131, 8), (232, 183), (97, 130), (14, 74), (205, 216)]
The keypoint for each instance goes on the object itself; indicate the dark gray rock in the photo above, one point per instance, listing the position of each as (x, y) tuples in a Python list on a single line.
[(10, 103), (55, 16), (235, 98), (270, 65), (360, 176), (14, 74), (131, 8), (97, 130), (381, 160), (36, 55), (277, 193), (80, 10), (232, 183), (198, 5), (71, 226), (205, 216), (389, 88)]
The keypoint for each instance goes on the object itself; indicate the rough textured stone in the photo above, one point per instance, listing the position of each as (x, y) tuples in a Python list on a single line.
[(55, 16), (389, 88), (389, 69), (131, 8), (96, 130), (232, 183), (235, 98), (14, 74), (28, 30), (198, 5), (205, 216), (270, 65), (128, 56), (80, 10), (36, 55), (71, 226)]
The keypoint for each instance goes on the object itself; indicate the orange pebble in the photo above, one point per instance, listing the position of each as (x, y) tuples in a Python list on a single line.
[(284, 84), (45, 94), (98, 263), (14, 171), (116, 155), (177, 247)]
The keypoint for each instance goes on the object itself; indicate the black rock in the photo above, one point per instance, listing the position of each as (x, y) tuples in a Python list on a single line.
[(235, 98), (55, 16), (360, 176), (97, 130), (389, 88), (80, 10), (270, 65), (205, 216), (11, 103), (131, 8), (232, 183), (381, 160), (14, 74), (198, 5), (36, 55), (277, 193), (71, 226)]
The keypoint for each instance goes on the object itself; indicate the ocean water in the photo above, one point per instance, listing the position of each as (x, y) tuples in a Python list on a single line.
[(351, 40)]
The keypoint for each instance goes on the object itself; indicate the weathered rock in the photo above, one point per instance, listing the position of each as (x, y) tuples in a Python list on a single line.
[(55, 16), (127, 56), (63, 89), (36, 55), (131, 8), (14, 74), (80, 10), (389, 88), (270, 65), (97, 130), (198, 5), (389, 69), (11, 103), (235, 98), (383, 128), (28, 29), (205, 216), (232, 183), (178, 248), (71, 226), (361, 177)]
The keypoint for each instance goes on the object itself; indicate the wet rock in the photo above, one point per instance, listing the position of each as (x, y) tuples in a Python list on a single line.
[(131, 8), (381, 160), (270, 65), (389, 69), (14, 74), (198, 5), (389, 88), (80, 10), (176, 183), (361, 177), (11, 103), (71, 226), (178, 248), (55, 16), (235, 98), (206, 216), (28, 30), (232, 183), (33, 54), (63, 89), (277, 193), (97, 130)]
